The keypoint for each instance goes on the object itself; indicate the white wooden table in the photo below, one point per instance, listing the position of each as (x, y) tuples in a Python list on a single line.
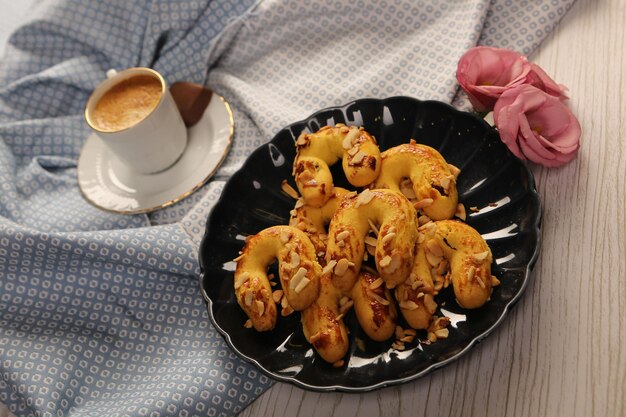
[(562, 351)]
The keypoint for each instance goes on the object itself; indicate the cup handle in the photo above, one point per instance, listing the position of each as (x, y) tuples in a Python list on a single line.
[(111, 73)]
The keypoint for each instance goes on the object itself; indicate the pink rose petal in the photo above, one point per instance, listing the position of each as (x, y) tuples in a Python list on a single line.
[(537, 126)]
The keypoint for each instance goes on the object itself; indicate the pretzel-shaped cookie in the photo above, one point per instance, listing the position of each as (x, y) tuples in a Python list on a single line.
[(317, 151), (395, 246), (323, 325), (470, 259), (374, 307), (434, 180), (297, 266)]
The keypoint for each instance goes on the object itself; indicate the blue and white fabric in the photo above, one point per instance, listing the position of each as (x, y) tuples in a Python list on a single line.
[(100, 313)]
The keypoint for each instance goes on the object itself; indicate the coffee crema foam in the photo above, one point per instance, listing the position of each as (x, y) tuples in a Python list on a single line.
[(127, 103)]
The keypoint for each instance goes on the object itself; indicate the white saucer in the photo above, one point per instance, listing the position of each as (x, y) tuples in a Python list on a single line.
[(108, 184)]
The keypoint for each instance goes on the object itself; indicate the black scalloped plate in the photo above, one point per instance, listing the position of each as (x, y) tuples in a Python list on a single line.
[(492, 180)]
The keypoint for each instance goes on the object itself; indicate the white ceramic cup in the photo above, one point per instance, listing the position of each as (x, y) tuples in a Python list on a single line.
[(153, 143)]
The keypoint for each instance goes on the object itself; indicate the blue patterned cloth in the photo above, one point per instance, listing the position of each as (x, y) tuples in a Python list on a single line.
[(101, 314)]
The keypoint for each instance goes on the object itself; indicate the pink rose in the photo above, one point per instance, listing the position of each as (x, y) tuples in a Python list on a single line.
[(542, 81), (485, 73), (537, 126)]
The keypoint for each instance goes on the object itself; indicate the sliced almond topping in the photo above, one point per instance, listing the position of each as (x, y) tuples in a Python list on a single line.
[(432, 259), (399, 332), (423, 219), (358, 158), (343, 235), (348, 141), (480, 281), (345, 307), (248, 324), (494, 281), (442, 268), (364, 198), (295, 259), (329, 266), (369, 240), (403, 295), (416, 284), (377, 298), (376, 283), (341, 243), (277, 296), (388, 237), (480, 256), (306, 175), (407, 339), (311, 183), (237, 259), (398, 345), (419, 295), (284, 303), (423, 203), (454, 170), (391, 229), (432, 337), (460, 211), (373, 226), (344, 300), (434, 248), (408, 305), (315, 337), (395, 263), (421, 237), (289, 190), (428, 228), (442, 333), (303, 283), (260, 307), (297, 277), (430, 303), (299, 203), (342, 266), (248, 298), (353, 150), (241, 279), (470, 273), (286, 311), (385, 261), (303, 139), (446, 181)]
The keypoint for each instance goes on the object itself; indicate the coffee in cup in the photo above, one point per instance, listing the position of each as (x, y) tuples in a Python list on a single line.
[(135, 116), (127, 103)]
